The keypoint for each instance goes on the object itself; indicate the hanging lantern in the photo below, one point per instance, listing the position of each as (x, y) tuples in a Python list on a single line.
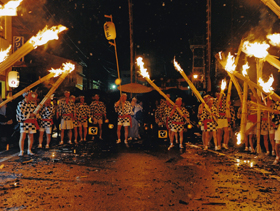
[(110, 30), (13, 79)]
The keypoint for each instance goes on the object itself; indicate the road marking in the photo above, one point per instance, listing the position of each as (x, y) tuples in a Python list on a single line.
[(9, 157)]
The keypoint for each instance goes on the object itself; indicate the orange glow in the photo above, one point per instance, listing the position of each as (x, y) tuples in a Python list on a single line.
[(143, 71), (65, 67), (177, 66), (258, 50), (220, 55), (266, 86), (274, 39), (10, 8), (195, 76), (223, 85), (4, 54), (245, 67), (46, 35), (230, 66)]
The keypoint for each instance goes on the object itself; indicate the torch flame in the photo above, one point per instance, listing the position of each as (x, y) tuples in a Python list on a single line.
[(177, 66), (220, 55), (143, 71), (245, 67), (10, 8), (4, 54), (266, 86), (230, 66), (46, 35), (274, 39), (258, 50), (238, 137), (65, 67), (223, 85)]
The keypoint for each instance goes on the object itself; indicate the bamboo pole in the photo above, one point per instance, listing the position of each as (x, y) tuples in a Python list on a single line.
[(41, 80), (244, 111), (228, 115), (196, 93), (273, 6), (54, 87)]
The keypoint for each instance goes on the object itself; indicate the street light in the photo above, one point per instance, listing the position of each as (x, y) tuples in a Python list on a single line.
[(195, 76)]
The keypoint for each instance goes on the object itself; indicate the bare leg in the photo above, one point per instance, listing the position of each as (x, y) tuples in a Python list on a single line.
[(80, 133), (61, 135), (265, 141), (219, 137), (21, 142), (30, 143), (272, 142), (215, 138), (181, 138), (48, 139), (226, 136), (125, 132), (119, 131), (277, 153), (171, 137), (251, 143), (207, 135), (70, 135), (100, 131), (85, 133), (176, 137), (41, 138)]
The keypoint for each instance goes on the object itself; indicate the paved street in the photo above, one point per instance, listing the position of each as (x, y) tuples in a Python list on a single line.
[(100, 176)]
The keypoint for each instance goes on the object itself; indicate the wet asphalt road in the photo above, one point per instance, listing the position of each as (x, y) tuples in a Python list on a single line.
[(100, 175)]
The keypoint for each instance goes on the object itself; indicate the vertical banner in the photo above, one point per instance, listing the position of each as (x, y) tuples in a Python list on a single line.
[(18, 41)]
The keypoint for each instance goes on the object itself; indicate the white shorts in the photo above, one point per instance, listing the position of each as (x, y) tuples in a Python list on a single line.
[(248, 125), (222, 123), (82, 124), (66, 124), (202, 128), (47, 129), (277, 135)]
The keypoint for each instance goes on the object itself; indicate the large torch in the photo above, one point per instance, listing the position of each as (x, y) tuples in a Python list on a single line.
[(10, 8), (273, 6), (67, 68), (145, 74), (40, 39)]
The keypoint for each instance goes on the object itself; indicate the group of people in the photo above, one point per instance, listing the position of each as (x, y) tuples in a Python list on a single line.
[(74, 116)]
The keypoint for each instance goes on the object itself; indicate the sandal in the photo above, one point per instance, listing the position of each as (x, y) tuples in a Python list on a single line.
[(276, 161), (21, 153)]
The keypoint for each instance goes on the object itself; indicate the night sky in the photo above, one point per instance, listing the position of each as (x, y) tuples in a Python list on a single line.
[(162, 29)]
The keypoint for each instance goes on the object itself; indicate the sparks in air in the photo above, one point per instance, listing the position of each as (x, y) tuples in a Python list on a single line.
[(65, 67), (143, 71), (46, 35), (266, 85)]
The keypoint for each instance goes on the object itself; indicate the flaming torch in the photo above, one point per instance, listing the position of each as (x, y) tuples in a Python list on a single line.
[(274, 39), (238, 137), (259, 50), (273, 6), (53, 73), (145, 74), (40, 39), (196, 93), (10, 8), (67, 68), (4, 54)]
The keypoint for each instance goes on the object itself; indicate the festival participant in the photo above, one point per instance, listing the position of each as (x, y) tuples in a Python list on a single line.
[(28, 122), (231, 121), (83, 112), (271, 129), (98, 110), (56, 121), (178, 122), (276, 121), (75, 119), (222, 128), (209, 123), (134, 129), (124, 110), (46, 115), (199, 113), (66, 109), (159, 114)]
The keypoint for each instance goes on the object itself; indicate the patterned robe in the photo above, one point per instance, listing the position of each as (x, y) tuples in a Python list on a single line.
[(276, 117), (124, 112), (23, 111), (221, 108), (232, 117), (82, 112), (177, 121), (66, 110), (46, 116), (97, 109), (206, 119), (166, 116)]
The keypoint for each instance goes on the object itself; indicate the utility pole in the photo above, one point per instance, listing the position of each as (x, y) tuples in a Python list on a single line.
[(208, 45), (131, 41)]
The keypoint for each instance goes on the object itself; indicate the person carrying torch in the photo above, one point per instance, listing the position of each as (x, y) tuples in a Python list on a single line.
[(46, 116), (178, 122), (27, 120), (66, 109)]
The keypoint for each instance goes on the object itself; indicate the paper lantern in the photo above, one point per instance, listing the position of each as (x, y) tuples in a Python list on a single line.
[(13, 79), (110, 30)]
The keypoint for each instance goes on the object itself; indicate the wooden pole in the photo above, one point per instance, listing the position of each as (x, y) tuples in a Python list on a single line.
[(244, 112), (259, 63)]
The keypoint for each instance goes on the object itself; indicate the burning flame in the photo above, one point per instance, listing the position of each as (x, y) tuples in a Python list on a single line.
[(220, 55), (4, 54), (230, 66), (143, 71), (177, 66), (238, 137), (10, 8), (223, 85), (274, 39), (65, 67), (258, 50), (266, 86), (46, 35), (245, 67)]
